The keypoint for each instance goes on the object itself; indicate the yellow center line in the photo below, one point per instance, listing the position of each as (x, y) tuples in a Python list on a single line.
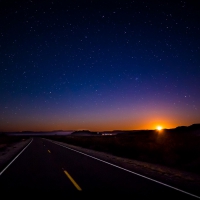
[(72, 180), (49, 151)]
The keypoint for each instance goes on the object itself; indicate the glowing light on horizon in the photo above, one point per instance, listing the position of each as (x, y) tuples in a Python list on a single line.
[(159, 128)]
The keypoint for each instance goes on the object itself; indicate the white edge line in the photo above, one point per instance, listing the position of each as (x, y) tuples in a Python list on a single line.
[(127, 170), (15, 157)]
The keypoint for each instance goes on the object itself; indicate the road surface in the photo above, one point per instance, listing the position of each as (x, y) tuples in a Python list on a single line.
[(47, 167)]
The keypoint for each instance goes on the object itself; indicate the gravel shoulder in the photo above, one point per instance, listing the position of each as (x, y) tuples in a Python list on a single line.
[(11, 150), (183, 180)]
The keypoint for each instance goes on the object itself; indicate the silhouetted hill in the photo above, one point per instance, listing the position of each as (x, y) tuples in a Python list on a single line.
[(192, 129), (84, 132)]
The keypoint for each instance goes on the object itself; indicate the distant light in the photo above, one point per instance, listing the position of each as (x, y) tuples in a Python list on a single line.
[(159, 128)]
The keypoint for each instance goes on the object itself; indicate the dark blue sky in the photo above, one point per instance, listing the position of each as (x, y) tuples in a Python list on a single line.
[(99, 65)]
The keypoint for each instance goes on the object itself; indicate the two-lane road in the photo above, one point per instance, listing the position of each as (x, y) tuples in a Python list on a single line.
[(45, 166)]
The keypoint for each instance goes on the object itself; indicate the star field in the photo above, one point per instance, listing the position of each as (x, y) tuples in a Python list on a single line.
[(99, 65)]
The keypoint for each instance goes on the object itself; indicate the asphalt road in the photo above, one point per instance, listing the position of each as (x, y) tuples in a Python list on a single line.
[(47, 167)]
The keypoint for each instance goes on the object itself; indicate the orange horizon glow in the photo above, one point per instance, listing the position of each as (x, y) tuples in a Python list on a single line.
[(91, 127), (106, 121)]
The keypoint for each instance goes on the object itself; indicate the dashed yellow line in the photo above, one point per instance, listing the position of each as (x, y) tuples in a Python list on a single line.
[(49, 151), (72, 180)]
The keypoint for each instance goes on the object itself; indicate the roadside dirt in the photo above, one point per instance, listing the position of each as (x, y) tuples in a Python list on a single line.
[(10, 151)]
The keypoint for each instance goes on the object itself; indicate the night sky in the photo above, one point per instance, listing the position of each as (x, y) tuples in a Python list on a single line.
[(99, 64)]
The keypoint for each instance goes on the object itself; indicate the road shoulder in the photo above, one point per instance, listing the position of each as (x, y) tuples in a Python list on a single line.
[(7, 154)]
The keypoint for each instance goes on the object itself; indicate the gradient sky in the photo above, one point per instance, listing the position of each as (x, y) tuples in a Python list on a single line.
[(99, 64)]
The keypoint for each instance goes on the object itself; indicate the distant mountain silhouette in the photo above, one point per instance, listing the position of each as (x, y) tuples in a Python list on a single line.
[(191, 127), (84, 132)]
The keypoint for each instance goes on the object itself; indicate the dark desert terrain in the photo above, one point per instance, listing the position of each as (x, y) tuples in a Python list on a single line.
[(178, 148)]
